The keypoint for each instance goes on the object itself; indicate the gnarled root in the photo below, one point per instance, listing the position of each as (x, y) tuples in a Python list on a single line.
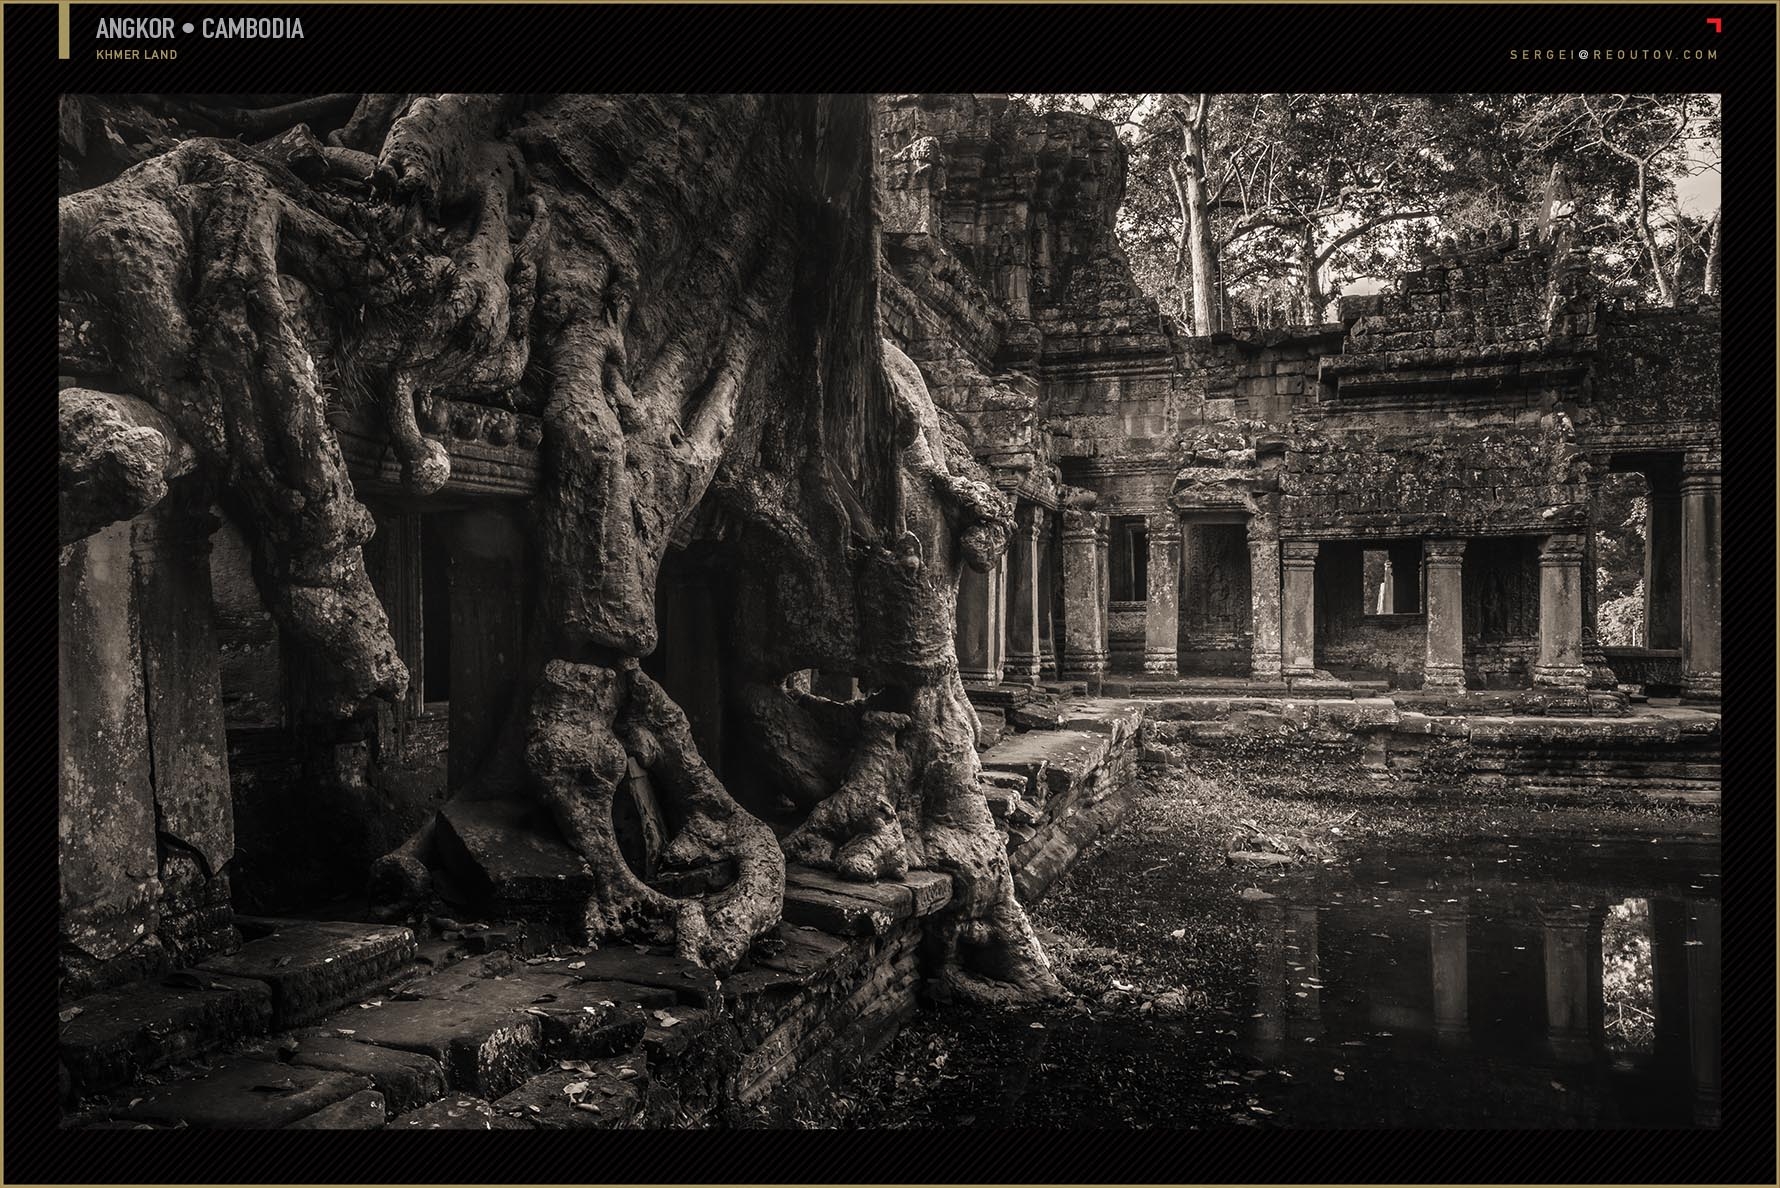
[(718, 929), (857, 832), (577, 763), (588, 721)]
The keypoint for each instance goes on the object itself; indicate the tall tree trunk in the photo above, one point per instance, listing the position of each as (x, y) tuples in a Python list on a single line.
[(1205, 307), (1665, 291), (1311, 289), (1714, 261)]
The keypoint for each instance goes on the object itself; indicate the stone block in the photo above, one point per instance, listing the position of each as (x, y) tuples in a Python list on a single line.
[(317, 966), (508, 855), (243, 1094), (119, 1035), (608, 1097), (458, 1112), (407, 1080), (485, 1047), (364, 1110)]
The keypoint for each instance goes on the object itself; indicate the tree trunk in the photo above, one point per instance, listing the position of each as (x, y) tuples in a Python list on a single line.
[(1205, 306), (1709, 287)]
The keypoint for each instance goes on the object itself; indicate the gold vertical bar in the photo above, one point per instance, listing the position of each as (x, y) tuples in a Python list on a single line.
[(62, 37)]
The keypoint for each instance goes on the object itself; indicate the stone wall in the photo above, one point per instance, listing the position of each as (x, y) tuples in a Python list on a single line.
[(1425, 745)]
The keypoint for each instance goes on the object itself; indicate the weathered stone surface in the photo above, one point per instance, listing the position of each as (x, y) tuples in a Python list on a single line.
[(606, 1096), (317, 966), (145, 1027), (244, 1094), (457, 1112), (509, 854), (364, 1110), (485, 1047), (406, 1080)]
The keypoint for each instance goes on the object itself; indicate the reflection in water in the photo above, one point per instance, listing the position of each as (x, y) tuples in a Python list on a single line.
[(1513, 987), (1628, 979)]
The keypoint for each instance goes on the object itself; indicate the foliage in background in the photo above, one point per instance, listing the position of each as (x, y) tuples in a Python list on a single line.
[(1263, 209)]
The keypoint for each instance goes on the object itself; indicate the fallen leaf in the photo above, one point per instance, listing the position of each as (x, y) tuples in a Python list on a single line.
[(66, 1014)]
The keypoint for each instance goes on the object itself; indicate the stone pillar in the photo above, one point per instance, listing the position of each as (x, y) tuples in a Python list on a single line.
[(1047, 599), (1443, 666), (182, 687), (979, 635), (1573, 983), (1298, 607), (1263, 568), (1447, 944), (108, 859), (1669, 985), (1023, 596), (1662, 563), (1560, 613), (1161, 619), (1084, 614), (1700, 575)]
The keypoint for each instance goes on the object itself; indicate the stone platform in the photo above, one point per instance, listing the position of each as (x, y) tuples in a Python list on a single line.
[(452, 1036)]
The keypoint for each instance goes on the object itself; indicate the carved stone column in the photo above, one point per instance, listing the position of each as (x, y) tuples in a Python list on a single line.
[(1264, 594), (1298, 607), (1560, 613), (1047, 599), (979, 637), (1701, 669), (1443, 666), (1084, 614), (1161, 620), (1023, 596)]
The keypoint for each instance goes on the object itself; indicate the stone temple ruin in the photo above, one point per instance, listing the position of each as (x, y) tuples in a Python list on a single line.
[(752, 559)]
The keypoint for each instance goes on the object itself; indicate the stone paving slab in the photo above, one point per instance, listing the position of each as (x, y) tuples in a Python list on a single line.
[(243, 1093), (457, 1112), (484, 1048), (607, 1098), (121, 1034), (1053, 761), (692, 984), (361, 1111), (317, 966), (406, 1080)]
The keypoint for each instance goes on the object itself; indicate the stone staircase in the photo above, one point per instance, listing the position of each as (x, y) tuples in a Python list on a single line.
[(341, 1025)]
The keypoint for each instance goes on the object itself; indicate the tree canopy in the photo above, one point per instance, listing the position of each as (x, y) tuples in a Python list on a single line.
[(1265, 208)]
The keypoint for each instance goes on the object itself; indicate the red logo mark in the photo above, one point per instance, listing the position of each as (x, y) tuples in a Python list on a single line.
[(1717, 24)]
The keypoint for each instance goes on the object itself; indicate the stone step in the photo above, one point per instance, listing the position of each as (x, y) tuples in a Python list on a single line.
[(314, 967), (407, 1080), (241, 1093), (118, 1036), (602, 1095), (844, 908), (457, 1111), (490, 1033), (361, 1111)]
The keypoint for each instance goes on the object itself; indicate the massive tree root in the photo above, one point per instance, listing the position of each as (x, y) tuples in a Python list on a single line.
[(680, 286), (911, 797)]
